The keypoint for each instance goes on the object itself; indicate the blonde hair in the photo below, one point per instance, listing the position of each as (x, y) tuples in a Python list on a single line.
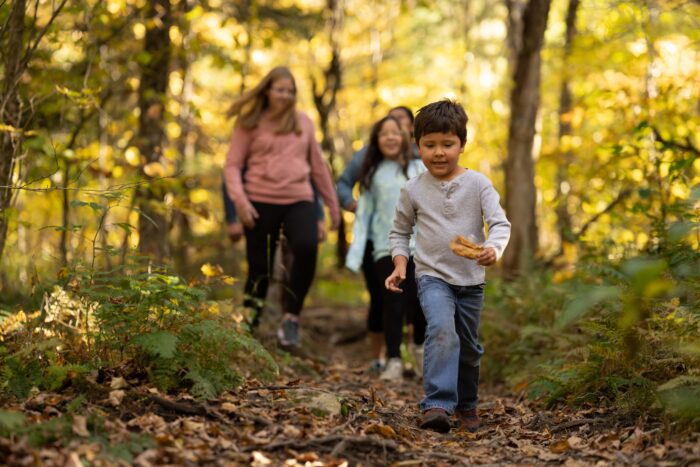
[(251, 105)]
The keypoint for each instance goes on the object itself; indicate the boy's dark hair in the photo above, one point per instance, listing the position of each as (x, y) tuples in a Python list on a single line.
[(445, 116)]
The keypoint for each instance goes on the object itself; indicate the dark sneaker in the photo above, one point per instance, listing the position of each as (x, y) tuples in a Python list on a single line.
[(469, 418), (436, 420), (288, 334)]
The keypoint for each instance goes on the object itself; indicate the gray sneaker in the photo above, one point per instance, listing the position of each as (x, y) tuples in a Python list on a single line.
[(288, 334)]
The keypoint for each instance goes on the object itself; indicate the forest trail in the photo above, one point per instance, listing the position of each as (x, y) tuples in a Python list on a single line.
[(326, 410)]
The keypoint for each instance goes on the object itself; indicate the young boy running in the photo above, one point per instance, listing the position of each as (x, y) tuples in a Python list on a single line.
[(445, 202)]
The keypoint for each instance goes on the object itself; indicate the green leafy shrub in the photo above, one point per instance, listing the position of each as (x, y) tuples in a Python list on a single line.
[(617, 334), (154, 319)]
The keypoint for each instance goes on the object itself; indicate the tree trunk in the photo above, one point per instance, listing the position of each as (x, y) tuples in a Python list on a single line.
[(520, 166), (465, 28), (325, 101), (153, 226), (565, 108), (10, 111)]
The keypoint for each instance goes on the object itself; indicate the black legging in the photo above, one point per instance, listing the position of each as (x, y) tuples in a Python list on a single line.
[(299, 224), (375, 287), (400, 305)]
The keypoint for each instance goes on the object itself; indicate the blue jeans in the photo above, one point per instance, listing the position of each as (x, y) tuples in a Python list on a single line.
[(452, 349)]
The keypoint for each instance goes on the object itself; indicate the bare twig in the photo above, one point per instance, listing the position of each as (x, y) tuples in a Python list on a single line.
[(687, 146), (621, 196), (458, 460), (32, 47), (298, 444), (189, 409), (575, 423), (109, 189)]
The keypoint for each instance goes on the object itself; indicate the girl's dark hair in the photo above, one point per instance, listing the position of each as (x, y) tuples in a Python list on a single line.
[(408, 111), (374, 156)]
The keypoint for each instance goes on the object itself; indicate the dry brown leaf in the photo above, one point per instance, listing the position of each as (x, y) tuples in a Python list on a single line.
[(659, 451), (118, 382), (499, 408), (290, 431), (571, 462), (529, 450), (80, 426), (74, 460), (225, 443), (383, 430), (260, 459), (576, 443), (116, 397), (148, 422), (228, 407), (307, 457), (560, 446), (192, 426), (548, 456)]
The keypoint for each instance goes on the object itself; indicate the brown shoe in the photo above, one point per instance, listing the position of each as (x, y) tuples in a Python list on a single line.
[(435, 419), (469, 418)]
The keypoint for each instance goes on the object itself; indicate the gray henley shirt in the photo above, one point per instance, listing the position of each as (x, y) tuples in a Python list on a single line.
[(441, 210)]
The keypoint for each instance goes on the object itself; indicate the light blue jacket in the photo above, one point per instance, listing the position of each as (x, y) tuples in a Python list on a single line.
[(375, 211), (351, 174), (349, 177)]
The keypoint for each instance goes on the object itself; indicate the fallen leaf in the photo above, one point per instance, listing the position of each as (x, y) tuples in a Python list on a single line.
[(307, 457), (80, 426), (148, 422), (548, 456), (659, 451), (560, 446), (116, 397), (260, 459), (384, 430), (74, 460), (571, 462), (290, 431), (118, 383), (529, 449), (228, 407), (192, 426), (576, 443)]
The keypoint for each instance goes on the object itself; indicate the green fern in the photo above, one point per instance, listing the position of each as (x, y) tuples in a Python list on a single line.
[(162, 344)]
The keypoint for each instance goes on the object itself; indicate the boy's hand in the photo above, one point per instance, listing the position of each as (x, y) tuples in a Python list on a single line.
[(398, 275), (487, 257), (395, 279)]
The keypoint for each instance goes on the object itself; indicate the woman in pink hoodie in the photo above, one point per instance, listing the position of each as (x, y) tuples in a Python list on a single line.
[(277, 145)]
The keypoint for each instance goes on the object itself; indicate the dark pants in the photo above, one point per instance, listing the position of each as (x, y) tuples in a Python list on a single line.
[(397, 306), (375, 287), (298, 221)]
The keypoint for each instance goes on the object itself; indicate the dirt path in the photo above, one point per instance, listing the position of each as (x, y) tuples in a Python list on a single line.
[(326, 410), (382, 424)]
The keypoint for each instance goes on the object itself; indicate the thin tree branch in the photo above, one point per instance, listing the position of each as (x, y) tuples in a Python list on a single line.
[(621, 196), (688, 146)]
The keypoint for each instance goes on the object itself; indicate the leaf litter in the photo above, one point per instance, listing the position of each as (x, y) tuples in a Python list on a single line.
[(325, 410)]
